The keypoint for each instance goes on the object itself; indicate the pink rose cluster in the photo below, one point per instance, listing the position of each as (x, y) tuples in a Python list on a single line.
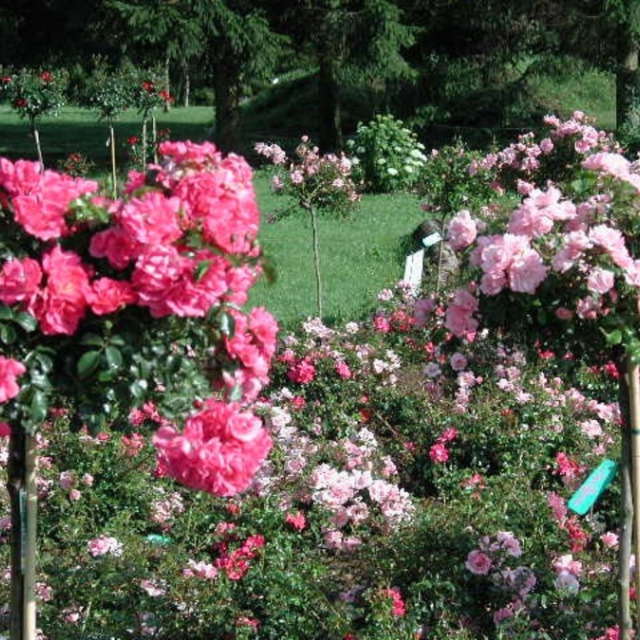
[(493, 558), (438, 451), (104, 545), (219, 449), (398, 605), (550, 235), (174, 235)]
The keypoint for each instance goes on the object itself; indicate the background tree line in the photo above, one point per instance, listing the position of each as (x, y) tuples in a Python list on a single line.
[(448, 62)]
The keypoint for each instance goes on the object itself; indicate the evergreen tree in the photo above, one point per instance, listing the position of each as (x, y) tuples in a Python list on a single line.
[(352, 43)]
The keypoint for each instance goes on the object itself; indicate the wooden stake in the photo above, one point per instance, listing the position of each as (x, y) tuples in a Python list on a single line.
[(633, 372), (114, 179), (31, 512)]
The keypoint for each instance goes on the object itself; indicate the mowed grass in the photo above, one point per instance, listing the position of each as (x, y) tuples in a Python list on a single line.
[(359, 256)]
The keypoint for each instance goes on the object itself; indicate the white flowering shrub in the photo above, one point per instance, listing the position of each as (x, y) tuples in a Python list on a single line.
[(388, 156)]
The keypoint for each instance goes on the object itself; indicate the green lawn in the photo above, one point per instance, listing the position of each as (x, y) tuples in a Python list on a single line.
[(359, 256), (77, 129)]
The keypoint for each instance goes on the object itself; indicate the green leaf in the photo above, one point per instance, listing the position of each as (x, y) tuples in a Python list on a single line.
[(26, 321), (117, 341), (38, 407), (236, 394), (91, 340), (6, 313), (88, 363), (138, 389), (613, 338), (201, 269), (173, 364), (227, 324), (8, 334), (114, 357)]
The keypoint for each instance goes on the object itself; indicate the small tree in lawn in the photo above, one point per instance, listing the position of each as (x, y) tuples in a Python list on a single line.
[(110, 94), (318, 183), (149, 96), (34, 94), (561, 267), (106, 304)]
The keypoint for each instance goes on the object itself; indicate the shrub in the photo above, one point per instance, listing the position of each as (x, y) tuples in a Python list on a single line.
[(389, 156)]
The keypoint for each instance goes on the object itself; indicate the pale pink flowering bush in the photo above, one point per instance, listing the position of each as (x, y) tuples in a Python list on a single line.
[(319, 180), (104, 545), (561, 246)]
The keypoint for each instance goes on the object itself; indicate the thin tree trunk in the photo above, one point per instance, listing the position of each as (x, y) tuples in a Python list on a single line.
[(627, 74), (330, 119), (167, 82), (31, 514), (226, 86), (187, 81), (16, 487), (154, 139), (144, 144), (114, 177), (316, 256), (36, 136), (634, 428)]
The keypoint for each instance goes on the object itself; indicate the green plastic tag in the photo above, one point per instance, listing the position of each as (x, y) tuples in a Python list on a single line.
[(157, 539), (593, 487)]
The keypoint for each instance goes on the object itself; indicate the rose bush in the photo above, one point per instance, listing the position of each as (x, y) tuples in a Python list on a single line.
[(111, 303)]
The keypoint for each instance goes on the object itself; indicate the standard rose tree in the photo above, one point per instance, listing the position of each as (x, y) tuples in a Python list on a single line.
[(109, 303), (559, 263)]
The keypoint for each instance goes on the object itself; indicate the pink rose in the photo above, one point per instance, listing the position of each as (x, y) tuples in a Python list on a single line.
[(19, 280), (478, 562), (218, 451), (115, 245), (9, 370), (462, 230), (151, 219), (438, 453), (107, 295), (459, 314), (302, 372), (600, 280)]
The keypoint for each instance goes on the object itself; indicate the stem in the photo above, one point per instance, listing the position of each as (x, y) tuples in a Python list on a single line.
[(23, 494), (626, 520), (316, 255), (440, 253), (114, 179), (144, 143), (154, 138), (36, 136)]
